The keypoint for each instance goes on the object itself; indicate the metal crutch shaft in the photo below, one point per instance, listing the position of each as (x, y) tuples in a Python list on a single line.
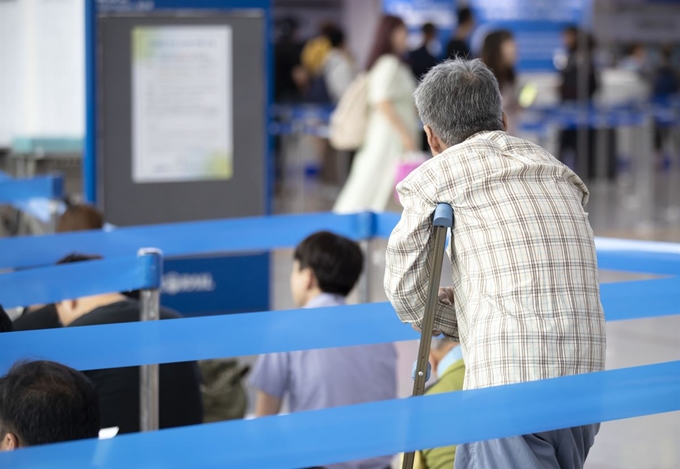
[(443, 220)]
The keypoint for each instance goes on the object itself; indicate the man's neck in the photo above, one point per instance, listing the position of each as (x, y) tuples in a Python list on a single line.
[(323, 297)]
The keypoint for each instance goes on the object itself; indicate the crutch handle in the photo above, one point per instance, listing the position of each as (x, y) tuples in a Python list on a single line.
[(443, 215)]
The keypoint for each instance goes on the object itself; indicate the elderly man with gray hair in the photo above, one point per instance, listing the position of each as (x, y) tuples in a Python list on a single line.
[(525, 301)]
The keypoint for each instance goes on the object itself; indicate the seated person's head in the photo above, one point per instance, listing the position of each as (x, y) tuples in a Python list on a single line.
[(325, 263), (72, 309), (80, 217), (45, 402)]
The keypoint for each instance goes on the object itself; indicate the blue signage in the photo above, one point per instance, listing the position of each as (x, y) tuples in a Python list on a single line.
[(415, 13), (536, 25), (216, 285)]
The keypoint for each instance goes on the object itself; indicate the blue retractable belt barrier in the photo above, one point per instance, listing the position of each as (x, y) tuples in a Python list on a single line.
[(638, 256), (273, 331), (350, 433), (659, 263), (39, 187), (253, 234), (79, 279), (181, 239)]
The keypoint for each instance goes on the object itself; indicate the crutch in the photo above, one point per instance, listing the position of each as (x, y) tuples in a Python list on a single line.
[(443, 220)]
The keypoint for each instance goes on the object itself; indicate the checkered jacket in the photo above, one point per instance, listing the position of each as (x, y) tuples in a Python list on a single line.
[(525, 279)]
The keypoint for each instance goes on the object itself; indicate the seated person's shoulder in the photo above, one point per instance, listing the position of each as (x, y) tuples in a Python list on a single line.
[(126, 310), (42, 318)]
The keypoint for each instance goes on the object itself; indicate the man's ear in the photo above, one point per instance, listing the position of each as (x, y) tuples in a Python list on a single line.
[(9, 442), (310, 278), (436, 146), (505, 121)]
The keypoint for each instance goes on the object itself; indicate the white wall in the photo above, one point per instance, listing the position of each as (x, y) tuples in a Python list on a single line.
[(359, 20), (42, 68)]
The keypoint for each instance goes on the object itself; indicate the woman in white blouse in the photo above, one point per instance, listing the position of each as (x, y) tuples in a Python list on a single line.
[(393, 125)]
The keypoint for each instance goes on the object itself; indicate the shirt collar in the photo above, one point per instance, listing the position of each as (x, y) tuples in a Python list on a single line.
[(454, 355), (491, 134), (325, 299)]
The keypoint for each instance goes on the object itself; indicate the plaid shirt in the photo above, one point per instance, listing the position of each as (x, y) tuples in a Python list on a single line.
[(526, 294)]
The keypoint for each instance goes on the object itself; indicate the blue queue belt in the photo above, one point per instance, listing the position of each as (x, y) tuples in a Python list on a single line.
[(181, 239), (13, 191), (256, 234), (338, 434), (274, 331), (75, 280)]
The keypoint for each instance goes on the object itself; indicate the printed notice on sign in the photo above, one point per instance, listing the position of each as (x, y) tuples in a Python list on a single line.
[(182, 126)]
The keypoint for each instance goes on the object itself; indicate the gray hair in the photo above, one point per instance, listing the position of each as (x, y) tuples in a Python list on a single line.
[(459, 98)]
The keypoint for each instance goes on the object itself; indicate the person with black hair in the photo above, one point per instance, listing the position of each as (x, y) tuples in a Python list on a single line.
[(580, 47), (339, 69), (180, 396), (499, 53), (458, 45), (421, 59), (326, 267), (392, 127), (45, 402)]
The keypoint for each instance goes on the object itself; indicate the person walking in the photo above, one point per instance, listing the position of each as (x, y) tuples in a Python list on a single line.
[(393, 129)]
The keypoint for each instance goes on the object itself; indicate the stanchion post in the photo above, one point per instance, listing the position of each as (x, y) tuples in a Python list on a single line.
[(367, 222), (443, 220), (150, 311), (583, 124), (644, 182), (57, 195)]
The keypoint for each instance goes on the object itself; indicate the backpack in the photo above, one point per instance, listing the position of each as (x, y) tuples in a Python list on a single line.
[(348, 122), (224, 396)]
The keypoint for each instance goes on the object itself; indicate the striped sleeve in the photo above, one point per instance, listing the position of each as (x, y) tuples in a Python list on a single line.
[(409, 257)]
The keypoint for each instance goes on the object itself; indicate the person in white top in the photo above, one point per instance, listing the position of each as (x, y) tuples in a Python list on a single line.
[(339, 69), (393, 125)]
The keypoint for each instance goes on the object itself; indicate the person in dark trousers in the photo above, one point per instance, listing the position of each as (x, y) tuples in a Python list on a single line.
[(45, 402), (180, 396), (421, 59), (569, 94), (288, 72), (458, 45)]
